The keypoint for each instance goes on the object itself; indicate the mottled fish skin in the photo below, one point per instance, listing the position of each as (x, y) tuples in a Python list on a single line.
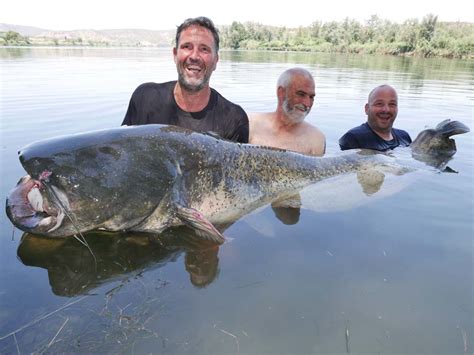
[(148, 178), (434, 146)]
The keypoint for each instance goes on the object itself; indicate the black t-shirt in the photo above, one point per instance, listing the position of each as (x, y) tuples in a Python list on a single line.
[(155, 103), (364, 137)]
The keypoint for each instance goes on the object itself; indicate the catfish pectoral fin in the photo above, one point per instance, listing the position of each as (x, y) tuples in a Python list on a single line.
[(196, 220), (447, 169)]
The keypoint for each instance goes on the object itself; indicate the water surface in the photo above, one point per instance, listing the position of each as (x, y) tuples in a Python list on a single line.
[(394, 275)]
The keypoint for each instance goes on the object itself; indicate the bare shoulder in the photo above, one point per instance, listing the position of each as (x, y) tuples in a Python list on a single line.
[(258, 117), (312, 131), (259, 125), (314, 138)]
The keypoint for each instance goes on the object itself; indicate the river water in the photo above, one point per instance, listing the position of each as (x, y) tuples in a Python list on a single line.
[(394, 275)]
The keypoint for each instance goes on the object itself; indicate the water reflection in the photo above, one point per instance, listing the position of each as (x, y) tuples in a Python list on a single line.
[(287, 215), (416, 69), (288, 211), (73, 270), (432, 148), (86, 52)]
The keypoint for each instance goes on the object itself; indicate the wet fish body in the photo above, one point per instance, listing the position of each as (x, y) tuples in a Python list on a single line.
[(149, 178)]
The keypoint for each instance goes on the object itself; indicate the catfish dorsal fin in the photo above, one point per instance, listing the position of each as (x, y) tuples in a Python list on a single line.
[(198, 222)]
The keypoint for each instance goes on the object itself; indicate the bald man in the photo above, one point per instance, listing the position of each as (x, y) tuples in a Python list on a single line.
[(378, 132)]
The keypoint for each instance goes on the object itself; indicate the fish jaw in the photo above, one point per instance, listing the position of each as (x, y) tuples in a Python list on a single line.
[(29, 209)]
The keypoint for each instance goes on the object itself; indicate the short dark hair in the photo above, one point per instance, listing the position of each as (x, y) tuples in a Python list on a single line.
[(199, 21)]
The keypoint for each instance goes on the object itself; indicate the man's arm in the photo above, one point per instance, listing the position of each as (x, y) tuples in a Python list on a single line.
[(141, 104), (403, 137), (131, 113), (348, 141), (240, 126), (317, 141), (256, 127), (241, 134)]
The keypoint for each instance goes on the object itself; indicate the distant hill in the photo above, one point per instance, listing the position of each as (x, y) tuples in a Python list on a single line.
[(112, 37), (23, 30)]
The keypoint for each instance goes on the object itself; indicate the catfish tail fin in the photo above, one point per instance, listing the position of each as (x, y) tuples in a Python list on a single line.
[(449, 128)]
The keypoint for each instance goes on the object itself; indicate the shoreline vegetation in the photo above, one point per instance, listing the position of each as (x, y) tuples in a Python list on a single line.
[(424, 38)]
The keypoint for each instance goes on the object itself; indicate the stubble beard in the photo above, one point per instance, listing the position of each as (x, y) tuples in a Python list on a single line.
[(381, 125), (192, 85)]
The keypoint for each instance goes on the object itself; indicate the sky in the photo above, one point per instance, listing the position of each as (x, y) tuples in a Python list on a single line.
[(162, 14)]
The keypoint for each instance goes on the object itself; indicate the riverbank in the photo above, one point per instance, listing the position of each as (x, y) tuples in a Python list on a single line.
[(425, 38)]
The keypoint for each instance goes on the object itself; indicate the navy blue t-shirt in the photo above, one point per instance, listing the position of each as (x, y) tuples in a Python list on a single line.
[(155, 103), (364, 137)]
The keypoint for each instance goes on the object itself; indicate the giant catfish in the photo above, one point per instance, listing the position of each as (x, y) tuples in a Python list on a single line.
[(152, 177)]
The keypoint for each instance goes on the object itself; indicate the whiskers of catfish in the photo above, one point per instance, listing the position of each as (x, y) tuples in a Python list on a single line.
[(73, 221)]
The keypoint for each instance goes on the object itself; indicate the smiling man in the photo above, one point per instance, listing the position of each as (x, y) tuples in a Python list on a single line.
[(285, 128), (190, 102), (377, 133)]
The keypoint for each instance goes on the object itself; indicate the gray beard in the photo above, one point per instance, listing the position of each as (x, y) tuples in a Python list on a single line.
[(191, 87), (294, 115), (186, 85)]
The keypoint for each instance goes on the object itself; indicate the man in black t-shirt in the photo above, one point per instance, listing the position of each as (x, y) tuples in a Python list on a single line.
[(190, 102), (377, 133)]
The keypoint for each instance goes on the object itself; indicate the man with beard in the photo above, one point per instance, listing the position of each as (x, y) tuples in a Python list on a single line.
[(190, 102), (285, 128), (377, 133)]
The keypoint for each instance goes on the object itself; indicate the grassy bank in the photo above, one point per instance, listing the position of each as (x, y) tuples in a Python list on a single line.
[(424, 38)]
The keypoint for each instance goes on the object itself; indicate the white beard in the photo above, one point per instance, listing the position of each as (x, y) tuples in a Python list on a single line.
[(293, 113)]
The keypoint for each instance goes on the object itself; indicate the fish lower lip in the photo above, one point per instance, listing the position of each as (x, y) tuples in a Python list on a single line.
[(29, 211)]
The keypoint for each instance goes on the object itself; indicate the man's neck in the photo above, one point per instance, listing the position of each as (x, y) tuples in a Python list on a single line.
[(282, 122), (385, 135), (191, 101)]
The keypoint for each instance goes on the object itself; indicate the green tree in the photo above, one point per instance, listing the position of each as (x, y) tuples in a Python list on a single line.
[(314, 29), (428, 27), (374, 24), (408, 36), (330, 32), (237, 34)]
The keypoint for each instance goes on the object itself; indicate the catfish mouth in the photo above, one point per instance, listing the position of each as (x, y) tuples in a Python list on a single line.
[(30, 210)]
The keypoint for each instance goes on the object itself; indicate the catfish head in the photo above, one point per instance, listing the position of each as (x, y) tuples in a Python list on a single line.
[(86, 182)]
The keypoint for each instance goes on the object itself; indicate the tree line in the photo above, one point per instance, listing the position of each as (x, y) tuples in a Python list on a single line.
[(12, 38), (426, 38)]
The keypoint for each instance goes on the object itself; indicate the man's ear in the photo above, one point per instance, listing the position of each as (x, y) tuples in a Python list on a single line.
[(217, 60), (367, 108), (281, 93), (175, 53)]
